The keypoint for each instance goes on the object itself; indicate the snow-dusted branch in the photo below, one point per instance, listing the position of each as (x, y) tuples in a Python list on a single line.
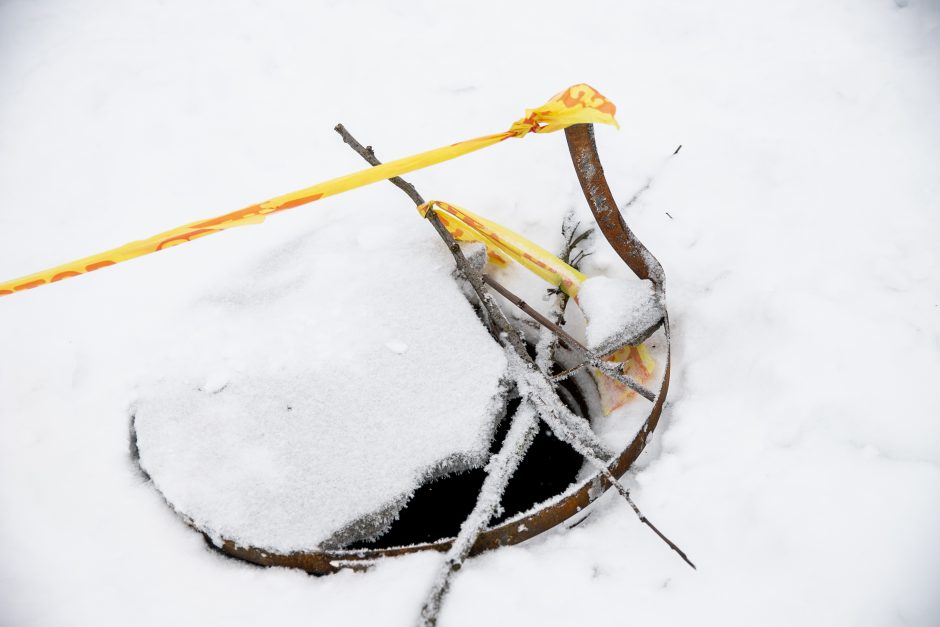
[(539, 400), (577, 433), (500, 325), (499, 471), (610, 369), (548, 341)]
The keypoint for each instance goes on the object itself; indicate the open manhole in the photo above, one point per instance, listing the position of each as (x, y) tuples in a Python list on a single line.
[(183, 431), (438, 508)]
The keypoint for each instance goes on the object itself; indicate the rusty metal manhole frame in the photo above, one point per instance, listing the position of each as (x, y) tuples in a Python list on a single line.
[(576, 498)]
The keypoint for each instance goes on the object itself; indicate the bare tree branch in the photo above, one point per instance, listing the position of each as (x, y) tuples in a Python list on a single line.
[(539, 398), (582, 440), (608, 368), (522, 429), (368, 154), (502, 326), (502, 465)]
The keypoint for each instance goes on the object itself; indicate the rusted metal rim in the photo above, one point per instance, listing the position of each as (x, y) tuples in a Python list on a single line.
[(574, 500)]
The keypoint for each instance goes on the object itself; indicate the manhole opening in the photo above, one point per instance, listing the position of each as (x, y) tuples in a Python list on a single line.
[(437, 509)]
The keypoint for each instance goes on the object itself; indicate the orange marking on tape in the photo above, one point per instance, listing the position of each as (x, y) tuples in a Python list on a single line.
[(536, 261), (296, 203), (186, 237), (248, 212), (98, 265), (228, 217), (579, 95), (29, 286), (64, 275)]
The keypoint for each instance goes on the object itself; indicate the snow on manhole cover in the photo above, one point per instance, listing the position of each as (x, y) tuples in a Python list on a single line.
[(292, 434)]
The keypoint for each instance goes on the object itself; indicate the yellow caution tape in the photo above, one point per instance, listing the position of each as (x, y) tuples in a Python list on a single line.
[(501, 243), (579, 104), (463, 232), (467, 226)]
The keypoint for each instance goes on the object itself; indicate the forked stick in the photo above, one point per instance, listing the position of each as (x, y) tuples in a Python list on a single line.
[(538, 393)]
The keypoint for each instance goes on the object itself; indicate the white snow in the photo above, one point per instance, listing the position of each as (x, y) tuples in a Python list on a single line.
[(396, 346), (798, 460), (215, 382), (618, 310), (323, 431)]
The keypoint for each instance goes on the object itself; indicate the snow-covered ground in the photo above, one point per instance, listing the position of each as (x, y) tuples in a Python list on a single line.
[(799, 459)]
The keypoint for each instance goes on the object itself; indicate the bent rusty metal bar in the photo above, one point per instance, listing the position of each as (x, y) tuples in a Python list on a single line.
[(587, 164), (576, 499)]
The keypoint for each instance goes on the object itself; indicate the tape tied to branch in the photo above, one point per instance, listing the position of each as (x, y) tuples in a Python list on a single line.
[(501, 242)]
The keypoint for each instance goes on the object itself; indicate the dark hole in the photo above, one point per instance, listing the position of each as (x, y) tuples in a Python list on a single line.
[(439, 508)]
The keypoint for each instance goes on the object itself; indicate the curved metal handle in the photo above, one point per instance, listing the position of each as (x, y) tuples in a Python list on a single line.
[(587, 164)]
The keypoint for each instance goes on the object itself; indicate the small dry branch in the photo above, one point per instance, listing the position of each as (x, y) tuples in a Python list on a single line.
[(610, 369), (539, 398)]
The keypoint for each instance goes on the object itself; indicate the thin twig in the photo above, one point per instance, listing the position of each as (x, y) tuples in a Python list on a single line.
[(500, 325), (569, 230), (649, 181), (548, 341), (587, 355), (607, 367), (584, 442), (563, 335), (581, 256), (637, 194), (368, 154), (643, 519), (523, 427), (534, 385), (499, 471)]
